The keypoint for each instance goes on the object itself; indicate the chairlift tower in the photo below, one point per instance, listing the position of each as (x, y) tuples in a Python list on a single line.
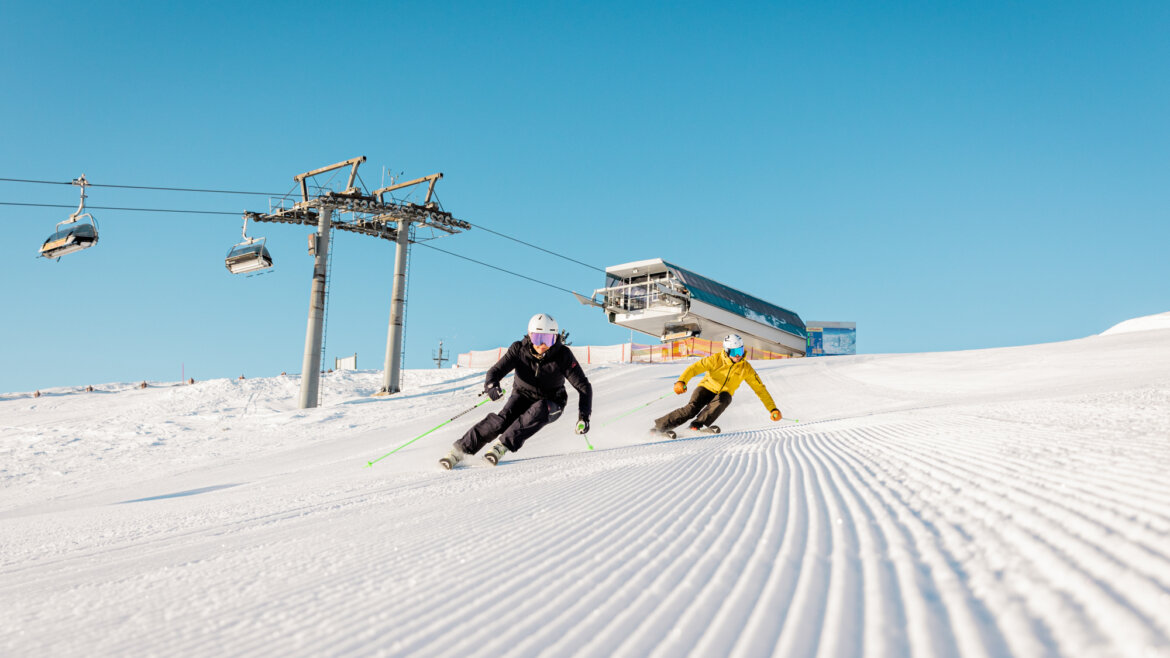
[(372, 215)]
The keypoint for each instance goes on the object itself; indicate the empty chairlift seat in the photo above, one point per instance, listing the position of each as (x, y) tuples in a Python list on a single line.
[(250, 256), (75, 236), (668, 302)]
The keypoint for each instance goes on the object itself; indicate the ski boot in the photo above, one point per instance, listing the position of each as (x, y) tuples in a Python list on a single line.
[(710, 429), (669, 434), (451, 458), (494, 453)]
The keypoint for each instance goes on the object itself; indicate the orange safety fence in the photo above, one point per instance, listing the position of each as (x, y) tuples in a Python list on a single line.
[(684, 348)]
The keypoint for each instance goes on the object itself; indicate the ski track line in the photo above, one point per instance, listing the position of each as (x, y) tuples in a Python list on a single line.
[(884, 616), (636, 541), (718, 476), (929, 585), (1017, 637), (749, 563), (890, 474), (601, 591), (763, 626), (1092, 524), (1102, 560), (800, 632), (688, 610), (972, 625), (517, 634), (665, 521), (851, 610), (1118, 488), (624, 534), (657, 584), (1118, 523), (1047, 493), (1119, 620)]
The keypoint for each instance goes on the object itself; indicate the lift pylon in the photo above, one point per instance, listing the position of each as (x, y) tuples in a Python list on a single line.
[(372, 215)]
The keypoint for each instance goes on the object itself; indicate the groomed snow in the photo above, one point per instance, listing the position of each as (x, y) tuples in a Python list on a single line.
[(984, 503)]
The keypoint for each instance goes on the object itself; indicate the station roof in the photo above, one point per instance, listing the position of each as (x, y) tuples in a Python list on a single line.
[(719, 295)]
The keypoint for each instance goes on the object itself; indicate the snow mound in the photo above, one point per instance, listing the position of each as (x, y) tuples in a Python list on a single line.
[(1147, 323)]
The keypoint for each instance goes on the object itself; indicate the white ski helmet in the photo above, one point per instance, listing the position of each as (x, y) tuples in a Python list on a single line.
[(543, 323), (732, 341)]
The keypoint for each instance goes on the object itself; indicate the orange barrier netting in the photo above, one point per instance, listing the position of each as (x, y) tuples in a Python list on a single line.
[(686, 348)]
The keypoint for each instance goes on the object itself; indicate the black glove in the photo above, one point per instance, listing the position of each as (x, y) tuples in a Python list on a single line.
[(582, 425), (493, 391)]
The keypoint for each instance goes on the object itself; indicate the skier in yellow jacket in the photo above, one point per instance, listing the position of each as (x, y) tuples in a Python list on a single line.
[(725, 372)]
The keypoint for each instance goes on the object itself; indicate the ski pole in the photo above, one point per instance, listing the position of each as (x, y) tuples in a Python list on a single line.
[(611, 420), (461, 413)]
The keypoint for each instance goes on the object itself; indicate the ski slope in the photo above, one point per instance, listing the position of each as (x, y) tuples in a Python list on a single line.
[(983, 503)]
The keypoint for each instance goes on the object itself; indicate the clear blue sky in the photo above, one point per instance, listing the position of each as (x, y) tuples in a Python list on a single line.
[(946, 175)]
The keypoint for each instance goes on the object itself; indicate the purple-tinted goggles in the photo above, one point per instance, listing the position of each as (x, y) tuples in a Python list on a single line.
[(735, 351), (542, 338)]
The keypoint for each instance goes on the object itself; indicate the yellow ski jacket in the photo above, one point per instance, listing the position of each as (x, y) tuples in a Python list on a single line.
[(725, 375)]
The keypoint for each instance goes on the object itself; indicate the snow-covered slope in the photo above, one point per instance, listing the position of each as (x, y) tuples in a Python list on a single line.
[(1146, 323), (993, 502)]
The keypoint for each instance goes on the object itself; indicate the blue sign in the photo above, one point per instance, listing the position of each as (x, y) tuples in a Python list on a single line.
[(831, 338)]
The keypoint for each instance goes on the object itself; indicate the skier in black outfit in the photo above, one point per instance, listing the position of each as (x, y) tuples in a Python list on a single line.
[(542, 363)]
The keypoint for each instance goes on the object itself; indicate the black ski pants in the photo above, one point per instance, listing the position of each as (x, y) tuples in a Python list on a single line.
[(520, 418), (705, 404)]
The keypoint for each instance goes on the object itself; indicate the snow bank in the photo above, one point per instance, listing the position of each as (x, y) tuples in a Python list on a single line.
[(1147, 323)]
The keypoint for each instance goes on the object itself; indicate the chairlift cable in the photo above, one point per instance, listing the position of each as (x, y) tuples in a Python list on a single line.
[(494, 267), (59, 205), (145, 187), (529, 244)]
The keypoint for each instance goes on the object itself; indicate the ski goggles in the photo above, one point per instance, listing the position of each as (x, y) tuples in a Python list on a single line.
[(735, 351), (542, 338)]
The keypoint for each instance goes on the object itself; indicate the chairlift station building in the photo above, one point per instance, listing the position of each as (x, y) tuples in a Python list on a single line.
[(668, 302)]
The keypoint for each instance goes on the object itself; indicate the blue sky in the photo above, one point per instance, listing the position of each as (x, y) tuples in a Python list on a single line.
[(946, 175)]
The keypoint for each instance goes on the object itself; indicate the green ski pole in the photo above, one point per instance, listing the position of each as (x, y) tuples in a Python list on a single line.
[(611, 420), (461, 413)]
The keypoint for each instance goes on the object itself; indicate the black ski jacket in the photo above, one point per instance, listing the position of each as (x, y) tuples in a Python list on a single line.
[(543, 378)]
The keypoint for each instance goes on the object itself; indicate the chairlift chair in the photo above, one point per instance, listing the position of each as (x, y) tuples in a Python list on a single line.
[(76, 234), (249, 256)]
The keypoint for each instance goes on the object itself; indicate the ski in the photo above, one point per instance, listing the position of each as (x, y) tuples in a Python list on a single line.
[(673, 434)]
